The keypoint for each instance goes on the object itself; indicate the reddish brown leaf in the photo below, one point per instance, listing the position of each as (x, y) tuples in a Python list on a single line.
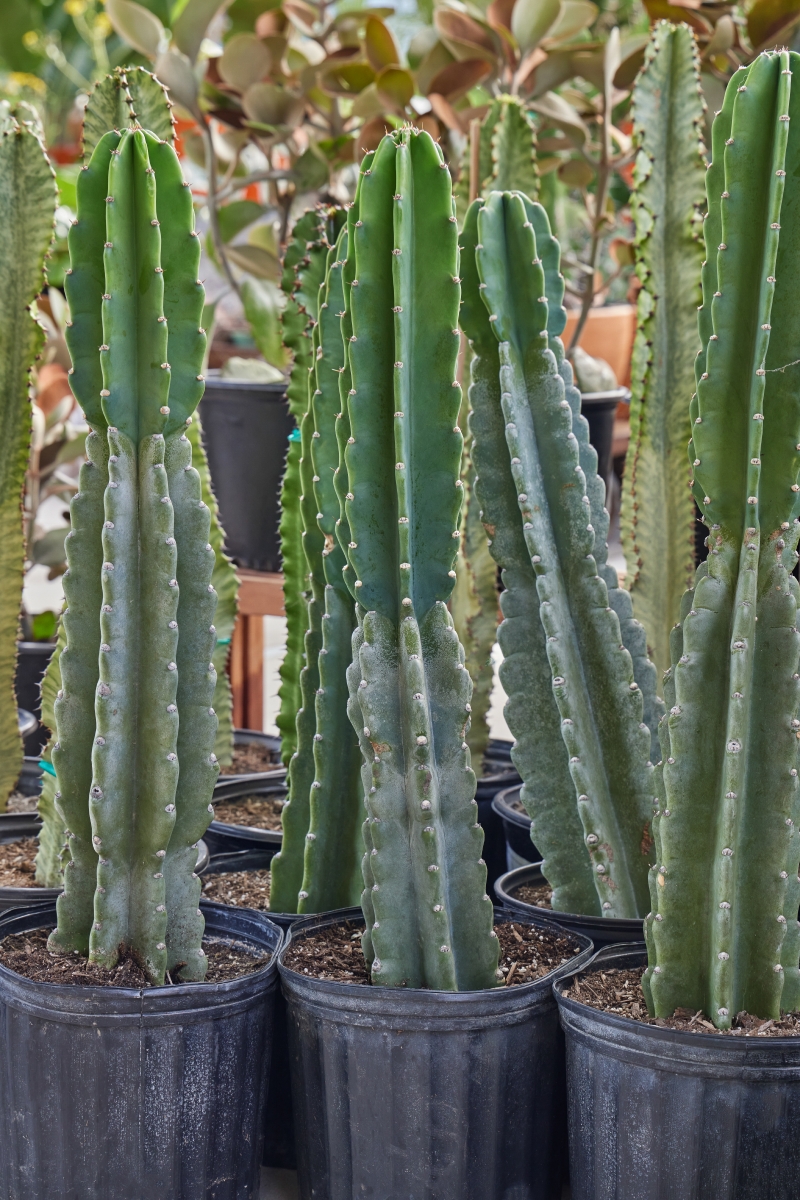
[(379, 45), (455, 80)]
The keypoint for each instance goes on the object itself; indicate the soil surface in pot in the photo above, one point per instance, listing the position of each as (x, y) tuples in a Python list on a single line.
[(619, 991), (17, 865), (540, 894), (27, 955), (526, 953), (252, 758), (20, 803), (257, 812), (243, 889)]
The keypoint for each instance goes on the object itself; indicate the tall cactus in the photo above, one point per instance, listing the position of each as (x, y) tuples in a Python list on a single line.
[(658, 509), (429, 922), (136, 729), (27, 205), (544, 510), (303, 273), (506, 153), (723, 933)]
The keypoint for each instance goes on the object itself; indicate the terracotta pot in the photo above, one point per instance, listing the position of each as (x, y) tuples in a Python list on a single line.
[(608, 333)]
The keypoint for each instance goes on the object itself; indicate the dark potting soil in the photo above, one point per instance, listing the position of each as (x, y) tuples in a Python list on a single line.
[(619, 991), (540, 894), (17, 865), (526, 953), (27, 954), (252, 758), (243, 889), (259, 812)]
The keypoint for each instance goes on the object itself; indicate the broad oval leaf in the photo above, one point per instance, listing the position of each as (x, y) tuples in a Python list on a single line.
[(311, 171), (559, 112), (576, 172), (379, 45), (462, 30), (395, 86), (532, 19), (368, 104), (255, 260), (176, 73), (575, 16), (190, 27), (658, 10), (137, 26), (769, 21), (236, 216), (348, 79), (246, 60), (268, 104), (458, 78)]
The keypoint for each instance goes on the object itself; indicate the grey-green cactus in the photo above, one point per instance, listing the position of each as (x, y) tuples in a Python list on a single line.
[(575, 660), (723, 934), (27, 205), (658, 509), (507, 153), (303, 273), (429, 922), (134, 715)]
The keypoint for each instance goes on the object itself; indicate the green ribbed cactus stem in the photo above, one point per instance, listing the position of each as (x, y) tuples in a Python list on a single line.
[(303, 274), (506, 153), (226, 585), (429, 922), (599, 700), (658, 509), (474, 605), (723, 932), (135, 722), (27, 205)]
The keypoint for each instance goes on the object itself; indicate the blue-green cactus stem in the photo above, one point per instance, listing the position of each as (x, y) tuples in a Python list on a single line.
[(334, 844), (74, 705), (723, 931), (658, 510), (295, 600), (429, 921), (599, 701)]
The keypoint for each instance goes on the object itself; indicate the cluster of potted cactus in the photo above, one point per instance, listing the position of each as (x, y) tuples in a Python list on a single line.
[(665, 806)]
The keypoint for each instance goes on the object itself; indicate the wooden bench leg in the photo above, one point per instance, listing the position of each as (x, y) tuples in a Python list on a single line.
[(247, 672)]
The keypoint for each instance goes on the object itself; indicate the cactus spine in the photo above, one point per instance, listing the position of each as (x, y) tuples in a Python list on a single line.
[(135, 725), (723, 933), (429, 922), (27, 204), (544, 510), (658, 510)]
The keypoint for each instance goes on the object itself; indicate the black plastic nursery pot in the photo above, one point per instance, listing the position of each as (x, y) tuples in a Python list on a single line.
[(224, 838), (127, 1094), (32, 660), (661, 1114), (603, 931), (255, 737), (279, 1144), (246, 427), (599, 409), (494, 838), (497, 756), (407, 1094), (520, 850)]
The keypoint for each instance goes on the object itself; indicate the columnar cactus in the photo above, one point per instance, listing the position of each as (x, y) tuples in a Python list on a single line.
[(658, 510), (27, 204), (723, 933), (135, 725), (319, 865), (429, 922), (576, 660), (507, 152)]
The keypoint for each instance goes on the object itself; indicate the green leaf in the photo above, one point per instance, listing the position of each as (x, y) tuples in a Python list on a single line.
[(194, 19), (531, 20), (137, 26), (49, 549), (255, 260), (575, 16), (262, 308), (559, 112), (769, 21), (379, 45), (311, 171), (175, 72), (246, 60), (236, 216), (395, 86), (272, 105)]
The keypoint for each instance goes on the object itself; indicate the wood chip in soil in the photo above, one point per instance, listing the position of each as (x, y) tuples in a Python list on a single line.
[(526, 953), (257, 812), (619, 991), (252, 758), (17, 865), (27, 954), (243, 889), (18, 802), (540, 894)]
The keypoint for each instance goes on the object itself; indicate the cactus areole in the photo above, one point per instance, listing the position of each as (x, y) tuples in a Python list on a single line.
[(135, 722), (723, 934)]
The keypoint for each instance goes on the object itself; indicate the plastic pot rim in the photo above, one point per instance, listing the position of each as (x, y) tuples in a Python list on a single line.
[(728, 1047), (501, 805), (506, 883)]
